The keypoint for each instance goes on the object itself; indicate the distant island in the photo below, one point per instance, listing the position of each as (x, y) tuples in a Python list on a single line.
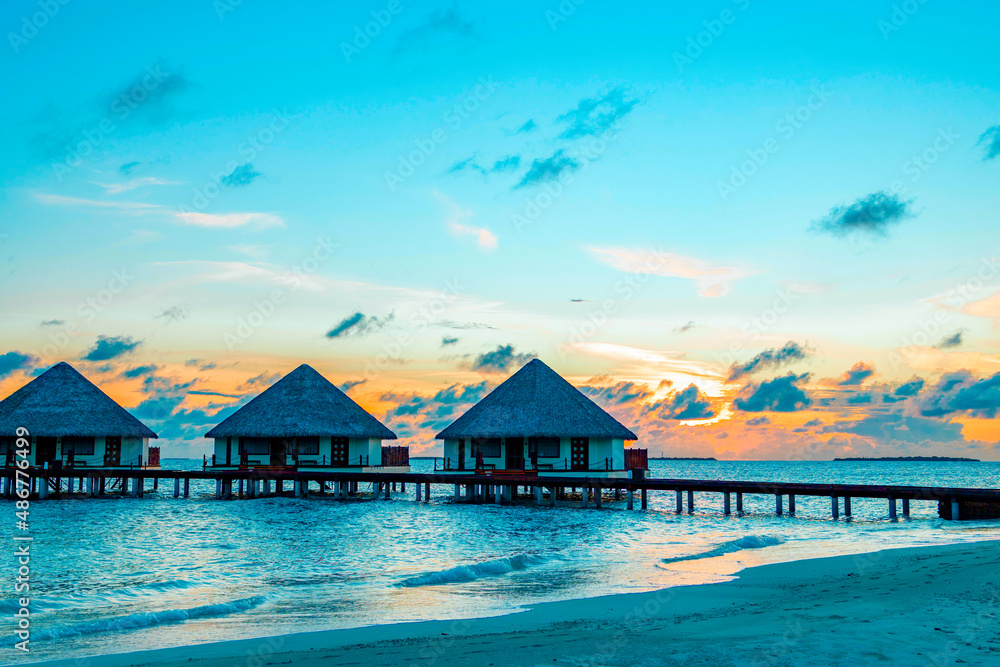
[(682, 458), (909, 458)]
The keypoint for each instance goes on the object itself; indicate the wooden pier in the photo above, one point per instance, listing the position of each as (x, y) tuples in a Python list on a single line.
[(953, 503)]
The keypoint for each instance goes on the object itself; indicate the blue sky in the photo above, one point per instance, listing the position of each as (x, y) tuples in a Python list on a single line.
[(587, 180)]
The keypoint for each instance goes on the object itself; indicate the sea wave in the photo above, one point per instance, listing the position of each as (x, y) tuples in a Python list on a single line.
[(741, 544), (466, 573), (149, 619), (98, 598)]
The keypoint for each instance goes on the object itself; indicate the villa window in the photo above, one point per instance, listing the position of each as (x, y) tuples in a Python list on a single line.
[(548, 448), (488, 447), (256, 446), (309, 446), (7, 444), (78, 445)]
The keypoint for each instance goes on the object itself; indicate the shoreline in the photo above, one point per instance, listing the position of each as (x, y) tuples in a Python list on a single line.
[(915, 605)]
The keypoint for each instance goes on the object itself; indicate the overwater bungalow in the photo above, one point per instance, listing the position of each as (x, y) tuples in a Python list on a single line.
[(73, 424), (537, 421), (303, 421)]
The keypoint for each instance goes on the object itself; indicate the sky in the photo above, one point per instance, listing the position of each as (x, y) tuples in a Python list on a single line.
[(748, 230)]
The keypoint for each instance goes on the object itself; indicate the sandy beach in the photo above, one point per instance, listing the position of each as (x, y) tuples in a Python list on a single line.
[(916, 606)]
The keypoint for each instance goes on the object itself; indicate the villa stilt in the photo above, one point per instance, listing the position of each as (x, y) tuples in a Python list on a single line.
[(536, 421), (73, 424), (304, 422)]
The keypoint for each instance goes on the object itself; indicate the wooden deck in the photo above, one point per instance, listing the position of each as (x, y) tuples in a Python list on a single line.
[(953, 503)]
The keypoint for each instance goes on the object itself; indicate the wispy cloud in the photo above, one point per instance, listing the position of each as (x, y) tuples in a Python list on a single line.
[(501, 360), (952, 341), (782, 394), (872, 214), (456, 222), (145, 181), (710, 280), (241, 176), (594, 115), (359, 324), (858, 373), (438, 24), (14, 361), (991, 140), (544, 170), (198, 219), (769, 359)]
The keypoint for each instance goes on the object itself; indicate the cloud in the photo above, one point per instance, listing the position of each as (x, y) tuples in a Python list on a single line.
[(858, 373), (264, 379), (139, 371), (14, 361), (768, 359), (528, 126), (897, 428), (241, 176), (910, 388), (52, 323), (991, 139), (954, 340), (872, 214), (595, 115), (959, 392), (456, 219), (203, 365), (461, 326), (145, 181), (501, 360), (173, 314), (710, 280), (359, 325), (111, 347), (438, 24), (684, 328), (759, 421), (781, 394), (506, 163), (351, 384), (212, 220), (127, 168), (545, 170), (688, 403), (859, 399), (448, 340)]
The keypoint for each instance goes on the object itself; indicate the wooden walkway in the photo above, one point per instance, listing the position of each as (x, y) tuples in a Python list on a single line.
[(953, 503)]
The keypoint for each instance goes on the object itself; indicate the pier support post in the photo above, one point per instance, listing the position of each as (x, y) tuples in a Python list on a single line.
[(835, 507), (618, 493), (69, 485), (387, 491), (241, 486), (497, 494), (156, 483), (177, 487), (539, 495), (297, 485), (227, 490), (630, 501), (43, 488), (427, 492), (552, 496), (690, 502), (598, 492), (680, 502), (584, 497), (791, 503), (6, 487), (739, 502), (267, 487), (458, 492), (906, 507), (892, 507), (954, 510), (847, 506), (187, 486), (642, 499), (778, 509), (726, 509), (218, 489)]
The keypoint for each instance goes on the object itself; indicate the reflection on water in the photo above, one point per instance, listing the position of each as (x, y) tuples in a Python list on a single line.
[(119, 574)]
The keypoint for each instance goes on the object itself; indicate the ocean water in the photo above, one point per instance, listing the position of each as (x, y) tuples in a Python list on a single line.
[(120, 574)]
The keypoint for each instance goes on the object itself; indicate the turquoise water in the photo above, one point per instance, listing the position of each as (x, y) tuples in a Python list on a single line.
[(120, 574)]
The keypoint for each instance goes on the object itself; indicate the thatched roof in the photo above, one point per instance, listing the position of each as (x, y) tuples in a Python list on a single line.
[(302, 403), (62, 402), (536, 402)]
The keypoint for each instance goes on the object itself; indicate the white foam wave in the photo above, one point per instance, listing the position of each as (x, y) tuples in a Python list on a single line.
[(148, 619), (741, 544), (466, 573)]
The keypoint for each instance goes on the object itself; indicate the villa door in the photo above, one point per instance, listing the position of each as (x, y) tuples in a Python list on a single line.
[(461, 453), (515, 454), (112, 451), (45, 451), (579, 453), (338, 451), (278, 450)]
